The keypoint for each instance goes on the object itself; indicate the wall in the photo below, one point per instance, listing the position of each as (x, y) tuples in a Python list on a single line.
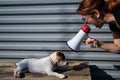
[(36, 28)]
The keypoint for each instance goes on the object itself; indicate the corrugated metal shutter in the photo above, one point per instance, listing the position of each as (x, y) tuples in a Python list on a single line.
[(36, 28)]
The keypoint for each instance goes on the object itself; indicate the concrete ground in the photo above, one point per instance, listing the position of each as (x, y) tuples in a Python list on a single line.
[(81, 72)]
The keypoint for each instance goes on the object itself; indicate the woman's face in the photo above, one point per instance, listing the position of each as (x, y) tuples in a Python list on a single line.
[(93, 19)]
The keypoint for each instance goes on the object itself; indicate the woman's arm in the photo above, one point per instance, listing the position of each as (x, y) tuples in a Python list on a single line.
[(111, 47)]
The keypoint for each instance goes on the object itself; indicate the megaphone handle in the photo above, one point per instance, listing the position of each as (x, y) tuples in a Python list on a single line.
[(92, 44)]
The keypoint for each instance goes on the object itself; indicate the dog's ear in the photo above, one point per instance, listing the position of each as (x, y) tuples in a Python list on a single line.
[(61, 55)]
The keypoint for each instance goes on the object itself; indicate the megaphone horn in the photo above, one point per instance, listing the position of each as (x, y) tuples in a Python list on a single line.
[(74, 43)]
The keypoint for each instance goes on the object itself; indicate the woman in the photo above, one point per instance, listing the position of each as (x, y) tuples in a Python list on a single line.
[(99, 12)]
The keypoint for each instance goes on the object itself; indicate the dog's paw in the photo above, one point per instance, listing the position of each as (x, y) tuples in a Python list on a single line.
[(16, 74), (62, 76)]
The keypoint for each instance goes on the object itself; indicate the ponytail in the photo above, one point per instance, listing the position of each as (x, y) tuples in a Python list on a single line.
[(112, 4)]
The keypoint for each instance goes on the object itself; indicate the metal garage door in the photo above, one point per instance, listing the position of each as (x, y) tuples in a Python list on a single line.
[(36, 28)]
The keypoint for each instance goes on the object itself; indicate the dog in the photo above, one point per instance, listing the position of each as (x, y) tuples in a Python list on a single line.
[(45, 65)]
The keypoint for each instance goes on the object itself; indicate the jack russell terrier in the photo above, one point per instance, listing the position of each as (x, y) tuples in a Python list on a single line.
[(45, 65)]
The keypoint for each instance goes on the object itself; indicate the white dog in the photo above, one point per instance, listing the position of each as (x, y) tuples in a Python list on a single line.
[(45, 65)]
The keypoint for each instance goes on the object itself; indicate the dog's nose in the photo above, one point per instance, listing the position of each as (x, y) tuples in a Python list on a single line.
[(67, 63)]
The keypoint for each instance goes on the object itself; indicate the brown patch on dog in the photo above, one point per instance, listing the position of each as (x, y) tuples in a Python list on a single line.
[(60, 56)]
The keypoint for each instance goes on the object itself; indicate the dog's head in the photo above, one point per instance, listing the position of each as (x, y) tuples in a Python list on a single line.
[(58, 58)]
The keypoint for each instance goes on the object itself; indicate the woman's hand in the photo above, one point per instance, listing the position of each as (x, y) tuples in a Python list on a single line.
[(93, 43)]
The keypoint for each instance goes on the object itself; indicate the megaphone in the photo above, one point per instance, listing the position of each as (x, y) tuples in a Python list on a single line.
[(74, 43)]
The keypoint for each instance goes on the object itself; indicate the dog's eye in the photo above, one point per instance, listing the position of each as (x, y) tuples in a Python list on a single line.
[(58, 60), (61, 60)]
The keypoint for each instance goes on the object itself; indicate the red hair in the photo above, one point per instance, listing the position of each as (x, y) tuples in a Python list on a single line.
[(87, 6), (112, 4)]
